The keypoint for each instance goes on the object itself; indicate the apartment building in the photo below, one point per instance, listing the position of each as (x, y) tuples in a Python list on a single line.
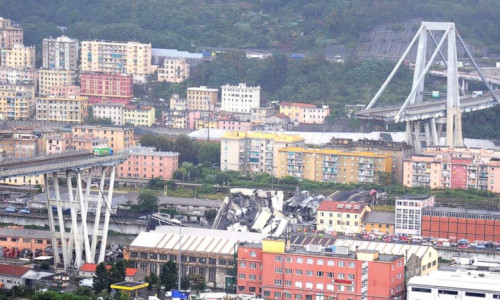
[(118, 137), (329, 165), (9, 75), (202, 98), (17, 101), (60, 53), (273, 270), (340, 216), (177, 103), (117, 57), (398, 150), (254, 152), (379, 222), (234, 125), (139, 115), (175, 119), (146, 163), (34, 241), (70, 109), (458, 168), (65, 90), (10, 35), (304, 113), (48, 78), (240, 98), (18, 56), (112, 111), (409, 213), (87, 142), (259, 114), (19, 144), (55, 144), (174, 70), (107, 87), (206, 123)]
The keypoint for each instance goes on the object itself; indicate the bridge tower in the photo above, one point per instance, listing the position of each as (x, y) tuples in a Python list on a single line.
[(429, 130)]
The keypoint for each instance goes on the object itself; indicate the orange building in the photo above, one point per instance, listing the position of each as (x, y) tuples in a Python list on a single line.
[(144, 162), (118, 137), (16, 242)]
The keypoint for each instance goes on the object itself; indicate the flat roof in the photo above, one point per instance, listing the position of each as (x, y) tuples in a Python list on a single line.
[(175, 53), (379, 217), (190, 202), (461, 211), (414, 197), (277, 137), (194, 239), (129, 285), (25, 233), (459, 280), (386, 248)]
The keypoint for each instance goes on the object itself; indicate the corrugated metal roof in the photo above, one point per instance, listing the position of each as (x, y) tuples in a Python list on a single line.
[(386, 248), (195, 239)]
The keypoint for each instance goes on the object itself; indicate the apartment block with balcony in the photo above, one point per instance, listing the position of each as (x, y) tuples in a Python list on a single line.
[(112, 111), (273, 270), (177, 103), (329, 165), (17, 102), (202, 98), (259, 114), (9, 75), (60, 53), (61, 109), (87, 142), (174, 70), (304, 113), (177, 119), (117, 57), (19, 144), (65, 90), (146, 163), (254, 152), (240, 98), (18, 56), (10, 34), (107, 87), (139, 115), (340, 216), (118, 137), (48, 78)]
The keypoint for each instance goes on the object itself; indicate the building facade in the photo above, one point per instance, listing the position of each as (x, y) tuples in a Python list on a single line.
[(118, 138), (87, 142), (240, 98), (9, 75), (60, 143), (341, 216), (456, 223), (112, 111), (19, 144), (409, 213), (10, 35), (24, 240), (234, 125), (12, 275), (65, 90), (259, 114), (60, 53), (145, 162), (18, 56), (273, 271), (329, 165), (48, 78), (173, 70), (202, 98), (254, 152), (107, 87), (304, 113), (139, 115), (61, 109), (117, 57), (379, 223), (17, 101)]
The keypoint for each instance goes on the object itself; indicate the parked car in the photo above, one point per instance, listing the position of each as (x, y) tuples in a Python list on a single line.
[(10, 209), (463, 246), (480, 247), (24, 211)]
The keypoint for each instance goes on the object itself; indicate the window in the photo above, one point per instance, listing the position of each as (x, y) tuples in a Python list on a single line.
[(319, 262), (351, 264), (253, 265), (330, 263), (212, 261), (153, 256), (253, 254), (320, 273), (350, 276), (341, 288), (310, 261), (300, 260), (267, 293), (319, 286), (241, 276), (298, 284), (277, 281), (277, 295), (288, 283), (288, 271), (252, 277), (278, 258), (298, 272), (309, 297), (341, 276), (288, 259), (278, 270), (477, 295), (298, 296), (144, 255), (243, 264), (309, 285), (447, 292), (421, 290), (309, 273), (330, 274), (341, 263)]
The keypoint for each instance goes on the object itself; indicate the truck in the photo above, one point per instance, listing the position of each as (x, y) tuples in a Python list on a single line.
[(103, 151), (476, 94)]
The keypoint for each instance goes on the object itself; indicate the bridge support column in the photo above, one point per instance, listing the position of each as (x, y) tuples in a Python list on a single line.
[(107, 200), (83, 210), (98, 214), (60, 217), (77, 238), (52, 227)]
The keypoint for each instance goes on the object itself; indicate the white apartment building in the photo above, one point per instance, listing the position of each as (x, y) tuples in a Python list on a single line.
[(10, 75), (240, 98), (113, 111), (117, 57), (178, 103), (60, 53), (408, 219)]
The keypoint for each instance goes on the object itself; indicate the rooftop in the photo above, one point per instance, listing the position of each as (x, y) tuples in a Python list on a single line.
[(129, 272), (263, 136), (108, 104), (100, 127), (459, 280), (202, 88), (194, 239), (297, 104), (175, 53), (335, 152), (150, 151), (491, 213), (414, 197), (25, 233), (13, 270), (379, 217), (190, 201), (386, 248), (341, 206)]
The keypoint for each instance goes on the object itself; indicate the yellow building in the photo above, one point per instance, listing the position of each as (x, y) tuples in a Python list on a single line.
[(173, 70), (379, 222), (18, 56), (254, 152), (17, 102), (117, 57), (139, 115), (48, 78), (24, 180), (61, 109), (329, 165), (340, 216), (118, 137), (10, 35), (304, 113), (200, 124), (201, 98)]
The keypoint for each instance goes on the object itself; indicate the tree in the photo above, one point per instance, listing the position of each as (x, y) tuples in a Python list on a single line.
[(185, 146), (117, 272), (209, 152), (148, 202), (197, 282), (156, 184), (185, 284), (101, 278), (169, 275), (153, 281), (210, 215)]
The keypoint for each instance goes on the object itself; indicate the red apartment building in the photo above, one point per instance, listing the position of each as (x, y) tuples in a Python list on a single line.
[(107, 87), (277, 271)]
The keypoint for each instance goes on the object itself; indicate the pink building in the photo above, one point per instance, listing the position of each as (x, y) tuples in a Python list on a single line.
[(235, 125), (105, 87), (58, 143), (65, 90), (193, 117), (144, 162)]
